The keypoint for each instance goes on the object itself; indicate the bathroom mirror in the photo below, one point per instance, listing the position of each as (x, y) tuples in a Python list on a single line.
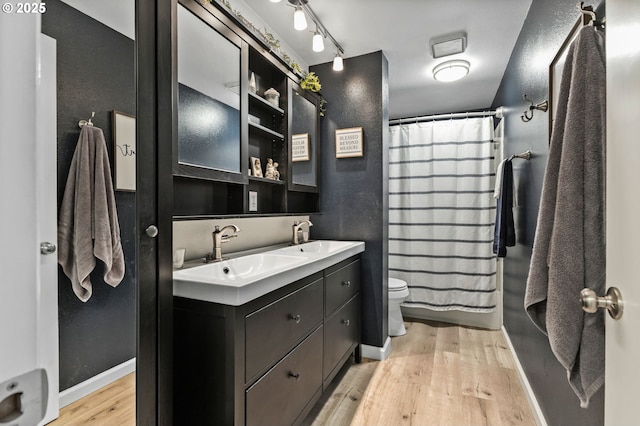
[(209, 101), (303, 141)]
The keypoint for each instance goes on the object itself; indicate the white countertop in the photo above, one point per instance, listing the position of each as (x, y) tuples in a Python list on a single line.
[(242, 279)]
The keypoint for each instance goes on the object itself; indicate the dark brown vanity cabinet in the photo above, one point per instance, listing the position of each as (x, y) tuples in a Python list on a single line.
[(268, 361)]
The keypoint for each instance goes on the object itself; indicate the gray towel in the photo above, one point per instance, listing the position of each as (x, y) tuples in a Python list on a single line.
[(569, 247), (88, 226)]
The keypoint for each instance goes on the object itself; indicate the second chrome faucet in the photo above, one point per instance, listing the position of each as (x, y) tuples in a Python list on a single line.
[(298, 234), (219, 236)]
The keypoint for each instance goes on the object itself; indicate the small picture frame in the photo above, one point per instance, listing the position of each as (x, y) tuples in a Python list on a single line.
[(300, 147), (349, 142), (256, 167), (124, 158)]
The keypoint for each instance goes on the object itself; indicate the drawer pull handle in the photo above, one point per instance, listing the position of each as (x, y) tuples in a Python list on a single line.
[(294, 375), (346, 322), (295, 318), (346, 283)]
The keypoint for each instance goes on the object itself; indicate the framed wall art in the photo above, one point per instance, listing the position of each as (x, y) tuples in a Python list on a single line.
[(349, 142), (124, 142)]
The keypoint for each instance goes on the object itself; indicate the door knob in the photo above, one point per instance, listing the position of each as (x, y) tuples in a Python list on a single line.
[(612, 302), (152, 231), (47, 247)]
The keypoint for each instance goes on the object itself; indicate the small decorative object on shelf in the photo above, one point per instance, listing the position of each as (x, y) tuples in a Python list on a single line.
[(256, 167), (268, 173), (252, 83), (276, 173), (272, 96)]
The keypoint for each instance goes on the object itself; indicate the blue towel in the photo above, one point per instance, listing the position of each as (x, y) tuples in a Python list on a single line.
[(505, 233)]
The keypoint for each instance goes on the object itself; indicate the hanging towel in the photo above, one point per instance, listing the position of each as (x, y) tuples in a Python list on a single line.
[(498, 187), (88, 223), (569, 246), (505, 232)]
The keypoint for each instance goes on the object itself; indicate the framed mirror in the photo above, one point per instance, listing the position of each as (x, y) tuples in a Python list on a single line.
[(210, 101), (304, 140)]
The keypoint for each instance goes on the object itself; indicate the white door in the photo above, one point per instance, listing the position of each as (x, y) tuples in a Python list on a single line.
[(28, 283), (623, 209)]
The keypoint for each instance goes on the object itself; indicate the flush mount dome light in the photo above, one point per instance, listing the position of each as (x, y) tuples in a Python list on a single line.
[(451, 70)]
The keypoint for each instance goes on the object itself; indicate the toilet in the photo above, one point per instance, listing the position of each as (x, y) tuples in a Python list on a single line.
[(398, 292)]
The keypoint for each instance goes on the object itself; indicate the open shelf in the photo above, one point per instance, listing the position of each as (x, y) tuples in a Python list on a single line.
[(263, 103), (266, 131), (265, 180)]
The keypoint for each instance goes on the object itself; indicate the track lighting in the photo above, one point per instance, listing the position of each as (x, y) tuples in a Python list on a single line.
[(299, 20), (302, 11), (318, 41), (338, 65)]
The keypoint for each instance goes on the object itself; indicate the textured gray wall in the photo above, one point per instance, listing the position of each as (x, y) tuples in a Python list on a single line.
[(354, 191), (546, 27)]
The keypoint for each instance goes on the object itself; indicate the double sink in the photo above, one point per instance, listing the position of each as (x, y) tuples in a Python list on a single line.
[(242, 279)]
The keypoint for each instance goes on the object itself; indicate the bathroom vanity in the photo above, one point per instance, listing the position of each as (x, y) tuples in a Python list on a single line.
[(266, 360)]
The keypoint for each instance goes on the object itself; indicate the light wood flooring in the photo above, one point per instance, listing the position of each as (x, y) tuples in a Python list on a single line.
[(437, 374)]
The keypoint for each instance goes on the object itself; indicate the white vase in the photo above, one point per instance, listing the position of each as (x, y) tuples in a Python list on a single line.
[(252, 83)]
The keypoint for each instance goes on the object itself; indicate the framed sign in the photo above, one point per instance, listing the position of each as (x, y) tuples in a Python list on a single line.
[(349, 142), (300, 147), (124, 142)]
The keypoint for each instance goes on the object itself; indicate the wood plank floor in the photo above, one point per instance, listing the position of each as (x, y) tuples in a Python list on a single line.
[(437, 374), (113, 405)]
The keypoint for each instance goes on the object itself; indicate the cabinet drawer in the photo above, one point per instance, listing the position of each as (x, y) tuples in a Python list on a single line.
[(273, 330), (342, 285), (341, 331), (279, 396)]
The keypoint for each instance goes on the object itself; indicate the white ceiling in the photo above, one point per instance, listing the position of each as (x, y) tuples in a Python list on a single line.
[(402, 29)]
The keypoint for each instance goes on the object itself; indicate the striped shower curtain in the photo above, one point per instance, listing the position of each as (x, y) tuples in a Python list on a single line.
[(442, 213)]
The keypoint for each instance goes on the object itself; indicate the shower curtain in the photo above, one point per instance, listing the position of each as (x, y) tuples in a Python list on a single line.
[(442, 213)]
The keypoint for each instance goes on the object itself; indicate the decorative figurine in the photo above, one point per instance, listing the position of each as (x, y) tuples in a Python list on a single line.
[(256, 166), (268, 174), (276, 173)]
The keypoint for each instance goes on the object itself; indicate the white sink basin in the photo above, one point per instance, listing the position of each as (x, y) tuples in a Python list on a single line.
[(240, 269), (317, 247), (243, 279)]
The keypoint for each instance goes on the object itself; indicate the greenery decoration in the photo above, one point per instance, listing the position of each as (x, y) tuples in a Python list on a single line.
[(311, 82)]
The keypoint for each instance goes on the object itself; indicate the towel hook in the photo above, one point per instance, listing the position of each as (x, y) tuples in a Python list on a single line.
[(528, 115), (88, 122)]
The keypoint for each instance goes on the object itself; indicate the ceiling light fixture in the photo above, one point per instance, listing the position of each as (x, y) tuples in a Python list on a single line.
[(275, 1), (299, 20), (338, 64), (318, 41), (451, 70)]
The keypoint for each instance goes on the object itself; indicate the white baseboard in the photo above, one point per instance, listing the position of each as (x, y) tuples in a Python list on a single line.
[(376, 352), (531, 397), (101, 380)]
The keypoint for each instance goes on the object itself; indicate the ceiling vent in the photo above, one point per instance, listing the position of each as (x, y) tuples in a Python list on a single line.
[(448, 45)]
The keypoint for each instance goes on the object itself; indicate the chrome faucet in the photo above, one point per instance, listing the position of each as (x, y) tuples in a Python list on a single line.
[(297, 227), (220, 237)]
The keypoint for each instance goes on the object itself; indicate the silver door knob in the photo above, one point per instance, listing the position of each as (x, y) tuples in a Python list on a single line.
[(152, 231), (612, 302), (47, 248)]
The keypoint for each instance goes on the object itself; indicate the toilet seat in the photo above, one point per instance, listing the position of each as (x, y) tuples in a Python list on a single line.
[(396, 284)]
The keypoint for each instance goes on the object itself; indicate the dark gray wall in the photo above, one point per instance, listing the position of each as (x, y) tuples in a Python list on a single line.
[(354, 191), (546, 27), (95, 72)]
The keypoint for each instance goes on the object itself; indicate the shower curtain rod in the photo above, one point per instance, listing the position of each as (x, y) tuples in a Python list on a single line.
[(397, 121)]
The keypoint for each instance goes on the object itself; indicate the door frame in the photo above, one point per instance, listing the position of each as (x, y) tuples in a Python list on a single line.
[(155, 64)]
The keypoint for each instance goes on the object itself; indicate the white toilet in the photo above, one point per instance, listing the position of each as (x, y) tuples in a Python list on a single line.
[(398, 292)]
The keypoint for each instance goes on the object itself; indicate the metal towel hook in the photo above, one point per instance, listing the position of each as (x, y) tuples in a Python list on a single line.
[(528, 115)]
